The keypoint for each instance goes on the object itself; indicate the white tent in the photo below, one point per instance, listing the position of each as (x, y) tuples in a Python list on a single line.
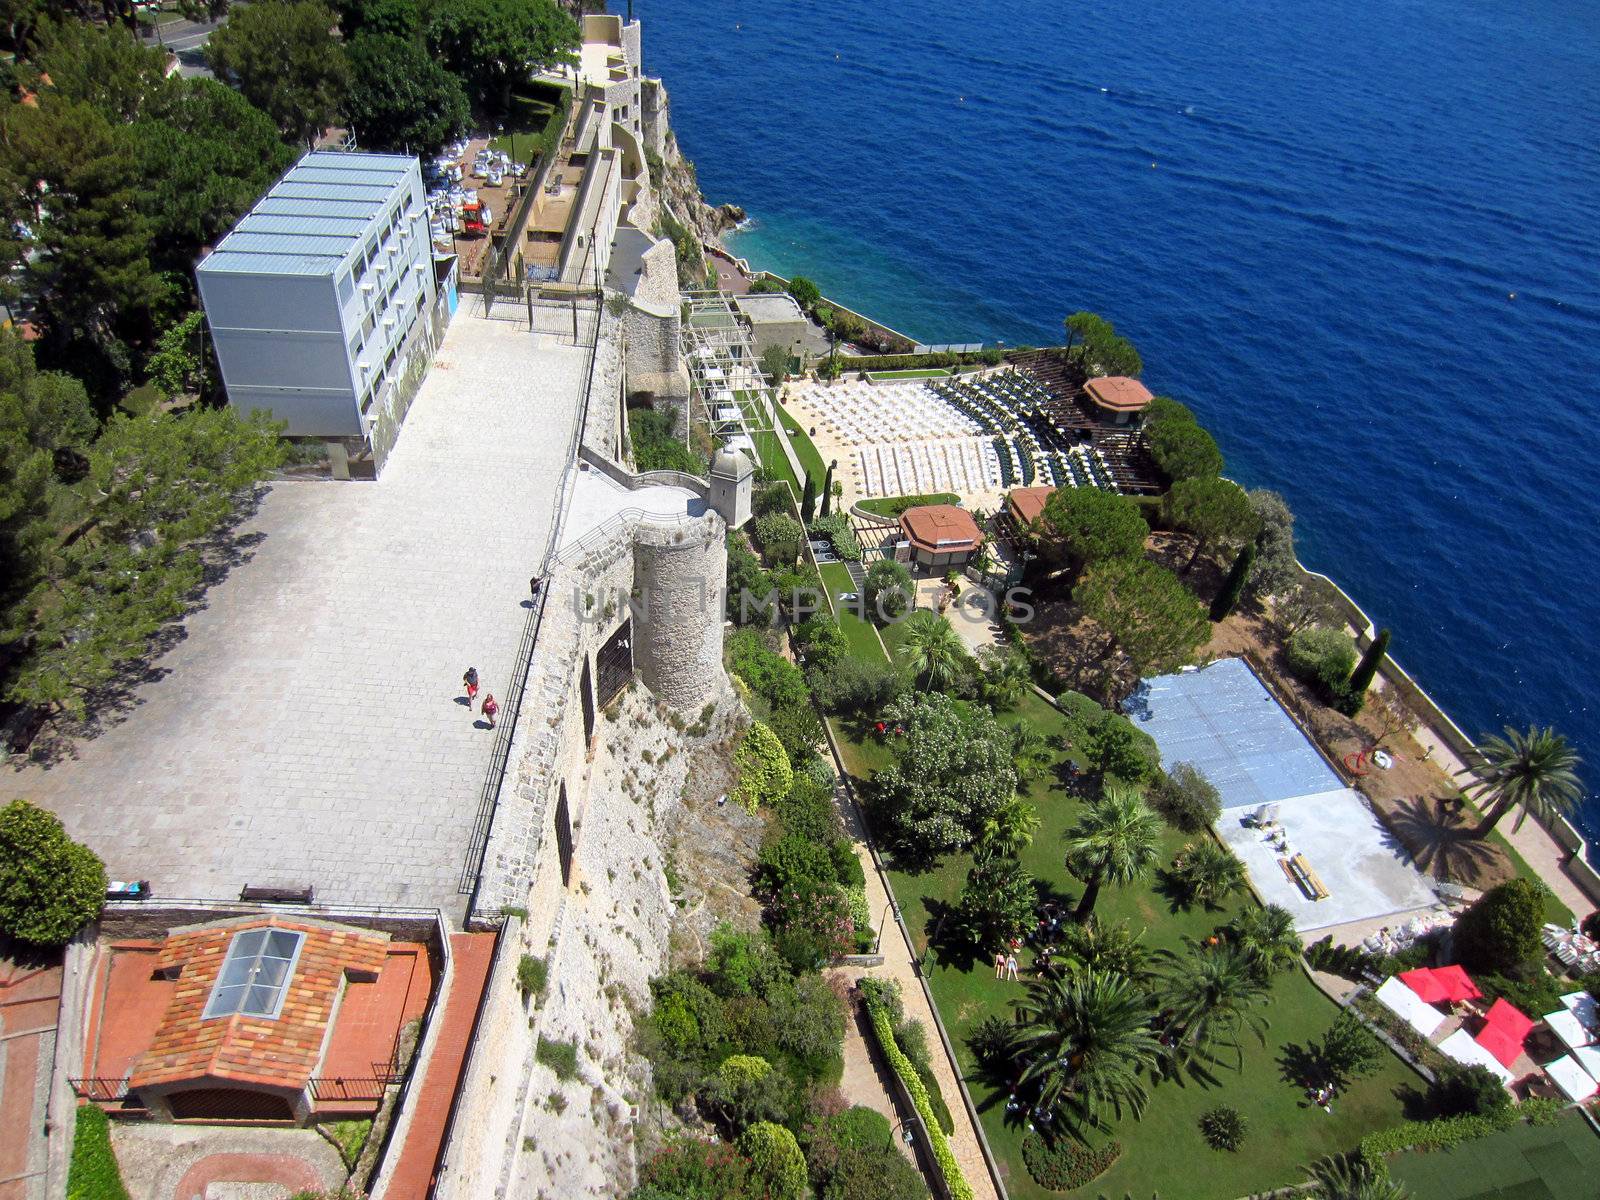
[(1568, 1028), (1589, 1059), (1575, 1083), (1582, 1006), (1461, 1047), (1409, 1007)]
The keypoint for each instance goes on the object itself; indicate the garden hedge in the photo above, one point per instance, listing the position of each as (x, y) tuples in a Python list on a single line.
[(93, 1174), (883, 1027)]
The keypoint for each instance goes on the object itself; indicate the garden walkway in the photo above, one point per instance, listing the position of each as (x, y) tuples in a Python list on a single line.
[(899, 963)]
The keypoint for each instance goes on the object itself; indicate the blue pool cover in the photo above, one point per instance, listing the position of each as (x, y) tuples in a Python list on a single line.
[(1223, 721)]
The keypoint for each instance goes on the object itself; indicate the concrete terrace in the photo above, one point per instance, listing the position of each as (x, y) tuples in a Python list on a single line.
[(307, 728)]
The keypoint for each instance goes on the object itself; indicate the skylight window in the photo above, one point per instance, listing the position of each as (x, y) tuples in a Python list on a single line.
[(255, 975)]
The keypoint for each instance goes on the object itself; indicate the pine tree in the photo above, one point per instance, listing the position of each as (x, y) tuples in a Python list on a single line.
[(1233, 587), (808, 502), (827, 490), (1361, 678)]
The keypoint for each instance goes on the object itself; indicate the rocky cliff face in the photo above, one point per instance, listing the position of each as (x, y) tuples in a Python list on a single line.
[(680, 194)]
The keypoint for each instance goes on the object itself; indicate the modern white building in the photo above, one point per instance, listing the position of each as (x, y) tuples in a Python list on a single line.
[(321, 300)]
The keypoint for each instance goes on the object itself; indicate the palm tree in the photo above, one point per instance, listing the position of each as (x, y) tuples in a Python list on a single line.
[(1085, 1039), (1209, 996), (1207, 871), (932, 649), (1267, 937), (1006, 676), (1009, 832), (1114, 949), (1114, 841), (1350, 1177), (1534, 771), (1031, 752)]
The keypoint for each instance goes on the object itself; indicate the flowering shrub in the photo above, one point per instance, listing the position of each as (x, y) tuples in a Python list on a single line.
[(764, 771), (1062, 1165), (815, 913), (690, 1167), (960, 1189)]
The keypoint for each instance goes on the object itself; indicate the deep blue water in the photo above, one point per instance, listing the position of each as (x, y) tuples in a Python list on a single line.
[(1361, 238)]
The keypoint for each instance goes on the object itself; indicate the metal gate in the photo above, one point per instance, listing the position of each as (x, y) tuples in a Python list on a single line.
[(564, 836), (586, 697), (615, 662)]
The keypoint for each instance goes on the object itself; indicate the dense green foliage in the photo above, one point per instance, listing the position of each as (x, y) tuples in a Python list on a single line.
[(1096, 346), (1223, 1128), (1227, 598), (775, 1160), (883, 1027), (1321, 656), (496, 45), (656, 446), (951, 773), (1145, 611), (1361, 678), (841, 536), (1092, 525), (93, 1173), (1216, 511), (284, 58), (1186, 799), (851, 1156), (1062, 1164), (763, 767), (1107, 742), (400, 97), (1500, 932), (888, 590), (1180, 446)]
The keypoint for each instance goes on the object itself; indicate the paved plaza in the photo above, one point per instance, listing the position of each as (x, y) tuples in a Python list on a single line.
[(307, 729)]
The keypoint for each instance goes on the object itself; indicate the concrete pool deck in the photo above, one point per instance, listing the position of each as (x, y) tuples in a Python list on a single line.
[(1222, 720)]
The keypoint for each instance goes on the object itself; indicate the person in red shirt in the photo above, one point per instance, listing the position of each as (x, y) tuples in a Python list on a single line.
[(490, 707)]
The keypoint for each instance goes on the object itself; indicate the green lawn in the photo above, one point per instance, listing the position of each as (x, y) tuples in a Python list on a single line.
[(1525, 1162), (858, 633), (810, 461), (931, 373), (1163, 1152), (893, 506)]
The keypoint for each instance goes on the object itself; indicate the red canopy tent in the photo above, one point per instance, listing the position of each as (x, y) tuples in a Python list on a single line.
[(1504, 1030), (1439, 985)]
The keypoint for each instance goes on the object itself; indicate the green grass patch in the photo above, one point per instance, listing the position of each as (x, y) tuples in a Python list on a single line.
[(893, 506), (878, 376), (536, 122), (93, 1174), (810, 460), (858, 633), (1555, 912), (350, 1137), (1525, 1162), (560, 1057), (1161, 1150)]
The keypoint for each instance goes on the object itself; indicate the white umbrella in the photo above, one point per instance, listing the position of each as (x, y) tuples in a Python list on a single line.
[(1575, 1083), (1461, 1047), (1410, 1007), (1568, 1028)]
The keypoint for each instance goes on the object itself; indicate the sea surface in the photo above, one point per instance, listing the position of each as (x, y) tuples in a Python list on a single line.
[(1361, 238)]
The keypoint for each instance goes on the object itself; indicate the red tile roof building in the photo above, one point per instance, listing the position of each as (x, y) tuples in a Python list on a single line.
[(1027, 503), (242, 1051), (1118, 395), (941, 534)]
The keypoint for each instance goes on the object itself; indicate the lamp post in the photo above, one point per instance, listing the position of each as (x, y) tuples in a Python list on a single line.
[(883, 923)]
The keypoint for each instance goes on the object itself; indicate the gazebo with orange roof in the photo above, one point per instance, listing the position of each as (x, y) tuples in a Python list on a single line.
[(941, 535), (1119, 397)]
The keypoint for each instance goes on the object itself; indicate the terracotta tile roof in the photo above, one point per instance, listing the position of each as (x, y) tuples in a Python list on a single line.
[(1118, 393), (941, 529), (279, 1052), (1026, 503)]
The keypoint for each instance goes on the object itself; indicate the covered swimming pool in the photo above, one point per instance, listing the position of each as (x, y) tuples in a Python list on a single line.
[(1221, 719)]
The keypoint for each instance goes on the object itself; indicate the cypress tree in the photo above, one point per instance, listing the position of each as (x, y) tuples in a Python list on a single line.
[(1361, 678), (827, 490), (808, 502), (1233, 587)]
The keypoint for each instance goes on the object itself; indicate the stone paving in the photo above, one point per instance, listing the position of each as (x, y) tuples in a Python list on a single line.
[(311, 727)]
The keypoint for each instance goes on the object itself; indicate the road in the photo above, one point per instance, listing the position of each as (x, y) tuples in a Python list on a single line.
[(187, 40)]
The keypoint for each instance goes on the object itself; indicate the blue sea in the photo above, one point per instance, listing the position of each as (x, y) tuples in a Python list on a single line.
[(1361, 238)]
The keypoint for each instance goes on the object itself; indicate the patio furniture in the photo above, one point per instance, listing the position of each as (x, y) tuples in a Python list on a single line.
[(1300, 871)]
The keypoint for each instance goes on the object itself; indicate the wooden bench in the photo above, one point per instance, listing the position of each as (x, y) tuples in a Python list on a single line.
[(277, 895), (1299, 871)]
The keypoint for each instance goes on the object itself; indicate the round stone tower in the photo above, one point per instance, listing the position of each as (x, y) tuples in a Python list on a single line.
[(679, 570)]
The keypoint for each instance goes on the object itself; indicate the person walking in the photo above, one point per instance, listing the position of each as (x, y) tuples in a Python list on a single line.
[(470, 681), (534, 585), (490, 707)]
